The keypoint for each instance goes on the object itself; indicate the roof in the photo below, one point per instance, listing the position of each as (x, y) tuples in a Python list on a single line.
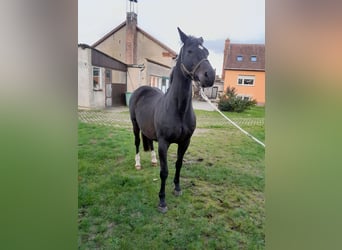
[(123, 24), (101, 59), (120, 26), (157, 63), (232, 51)]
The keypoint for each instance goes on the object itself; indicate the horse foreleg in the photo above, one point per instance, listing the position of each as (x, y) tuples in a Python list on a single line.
[(163, 146), (182, 147)]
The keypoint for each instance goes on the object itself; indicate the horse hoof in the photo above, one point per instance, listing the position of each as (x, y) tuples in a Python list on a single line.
[(154, 164), (137, 167), (162, 209), (177, 193)]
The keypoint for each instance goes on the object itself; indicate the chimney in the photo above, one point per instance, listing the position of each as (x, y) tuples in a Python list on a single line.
[(225, 55), (131, 38)]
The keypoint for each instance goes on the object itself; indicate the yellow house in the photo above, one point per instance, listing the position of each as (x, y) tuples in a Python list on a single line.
[(244, 69)]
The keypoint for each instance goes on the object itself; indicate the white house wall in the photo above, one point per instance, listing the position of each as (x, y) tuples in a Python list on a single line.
[(84, 77), (87, 96)]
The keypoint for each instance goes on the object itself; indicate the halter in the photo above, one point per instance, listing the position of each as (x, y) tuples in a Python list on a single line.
[(193, 71)]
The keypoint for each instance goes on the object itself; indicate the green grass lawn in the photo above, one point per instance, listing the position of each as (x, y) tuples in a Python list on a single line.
[(222, 179)]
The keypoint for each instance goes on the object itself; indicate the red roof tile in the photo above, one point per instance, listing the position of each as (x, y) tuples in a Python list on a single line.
[(232, 51)]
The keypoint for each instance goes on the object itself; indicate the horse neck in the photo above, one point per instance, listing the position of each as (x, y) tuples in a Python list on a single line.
[(180, 92)]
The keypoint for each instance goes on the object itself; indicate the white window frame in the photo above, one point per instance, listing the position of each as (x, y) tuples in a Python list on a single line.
[(242, 96), (244, 78), (238, 57), (99, 87), (110, 75), (253, 56)]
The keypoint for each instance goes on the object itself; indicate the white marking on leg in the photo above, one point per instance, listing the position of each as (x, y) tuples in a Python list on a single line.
[(137, 161), (154, 158)]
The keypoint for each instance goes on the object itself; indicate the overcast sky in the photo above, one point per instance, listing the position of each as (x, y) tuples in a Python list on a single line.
[(242, 21)]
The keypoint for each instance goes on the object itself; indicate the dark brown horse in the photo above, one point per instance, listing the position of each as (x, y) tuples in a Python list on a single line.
[(170, 118)]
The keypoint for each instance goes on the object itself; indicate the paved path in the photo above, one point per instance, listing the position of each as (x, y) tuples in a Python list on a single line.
[(202, 105), (119, 117)]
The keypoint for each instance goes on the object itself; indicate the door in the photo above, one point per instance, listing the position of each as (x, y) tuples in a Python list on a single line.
[(118, 94), (108, 95), (108, 84)]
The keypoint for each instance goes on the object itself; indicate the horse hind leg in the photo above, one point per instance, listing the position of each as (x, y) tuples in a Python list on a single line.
[(136, 131), (148, 145), (154, 160)]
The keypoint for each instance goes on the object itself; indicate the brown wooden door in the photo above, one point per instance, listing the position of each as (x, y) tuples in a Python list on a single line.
[(118, 94)]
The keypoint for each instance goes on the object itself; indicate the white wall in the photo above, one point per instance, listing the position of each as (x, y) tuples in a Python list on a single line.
[(87, 96), (84, 77)]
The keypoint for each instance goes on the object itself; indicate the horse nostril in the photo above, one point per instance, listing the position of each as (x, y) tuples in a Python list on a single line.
[(206, 74)]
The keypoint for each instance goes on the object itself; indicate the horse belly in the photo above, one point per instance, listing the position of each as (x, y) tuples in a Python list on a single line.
[(177, 134), (146, 125)]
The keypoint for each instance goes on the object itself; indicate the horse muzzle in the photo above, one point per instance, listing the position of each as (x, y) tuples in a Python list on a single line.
[(205, 75)]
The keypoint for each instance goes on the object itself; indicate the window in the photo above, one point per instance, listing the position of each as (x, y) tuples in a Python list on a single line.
[(253, 58), (108, 74), (246, 80), (97, 82), (239, 58), (154, 81), (245, 97), (161, 83), (164, 84)]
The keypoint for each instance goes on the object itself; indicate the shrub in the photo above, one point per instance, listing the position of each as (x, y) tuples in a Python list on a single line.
[(231, 102)]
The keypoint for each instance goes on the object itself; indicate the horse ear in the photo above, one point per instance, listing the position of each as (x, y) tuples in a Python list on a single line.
[(201, 40), (182, 35)]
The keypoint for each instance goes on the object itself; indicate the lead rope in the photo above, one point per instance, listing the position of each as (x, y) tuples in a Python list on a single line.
[(224, 116)]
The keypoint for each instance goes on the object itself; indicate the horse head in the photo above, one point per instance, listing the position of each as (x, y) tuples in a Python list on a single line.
[(194, 60)]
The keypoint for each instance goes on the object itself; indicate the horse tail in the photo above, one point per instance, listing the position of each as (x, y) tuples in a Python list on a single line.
[(146, 143)]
